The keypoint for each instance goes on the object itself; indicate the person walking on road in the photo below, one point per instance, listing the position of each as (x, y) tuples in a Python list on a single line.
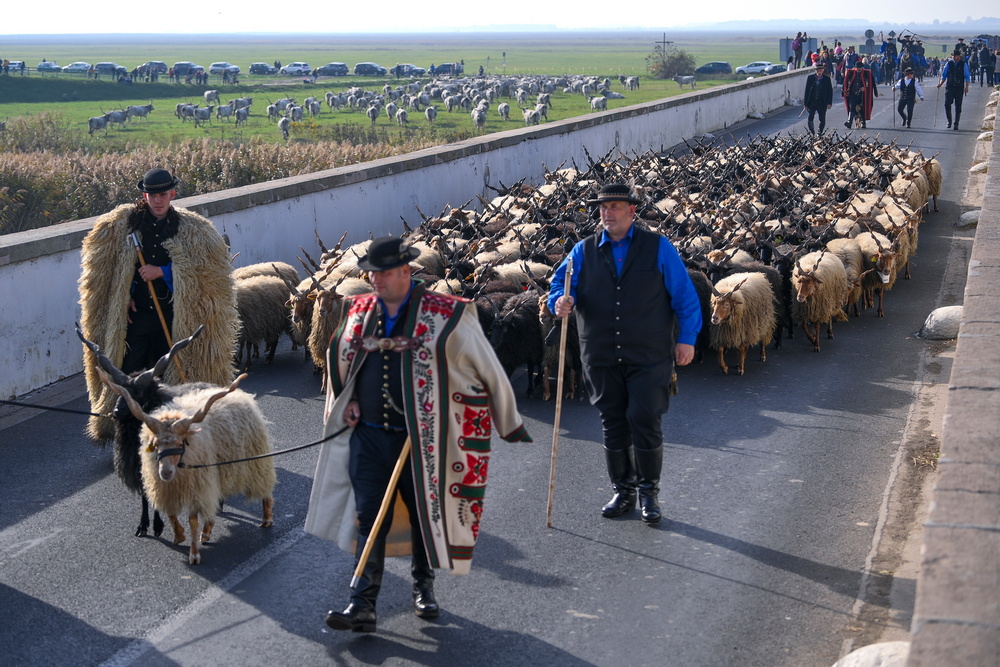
[(858, 92), (909, 90), (409, 368), (818, 98), (955, 77), (628, 285), (131, 305)]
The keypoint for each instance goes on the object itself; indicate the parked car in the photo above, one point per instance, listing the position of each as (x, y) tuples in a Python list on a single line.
[(185, 67), (114, 69), (370, 69), (407, 69), (296, 69), (78, 66), (219, 68), (262, 68), (157, 66), (755, 67), (715, 67), (48, 66), (16, 65), (448, 68), (774, 69), (333, 69)]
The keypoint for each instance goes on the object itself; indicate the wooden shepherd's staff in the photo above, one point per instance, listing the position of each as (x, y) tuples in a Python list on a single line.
[(559, 393), (156, 303), (390, 492)]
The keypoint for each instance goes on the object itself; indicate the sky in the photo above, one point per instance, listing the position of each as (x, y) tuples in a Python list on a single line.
[(448, 15)]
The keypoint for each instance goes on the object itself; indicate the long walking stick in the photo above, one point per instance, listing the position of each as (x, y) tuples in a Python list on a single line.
[(894, 112), (559, 395), (937, 98), (390, 492), (156, 303)]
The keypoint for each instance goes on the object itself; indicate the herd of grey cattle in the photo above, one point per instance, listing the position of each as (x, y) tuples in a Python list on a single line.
[(480, 97)]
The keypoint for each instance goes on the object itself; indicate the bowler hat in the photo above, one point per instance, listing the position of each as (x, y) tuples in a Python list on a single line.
[(387, 253), (158, 180), (615, 192), (908, 70)]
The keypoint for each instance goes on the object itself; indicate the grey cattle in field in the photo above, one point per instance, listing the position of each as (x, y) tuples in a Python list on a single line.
[(284, 124), (685, 81), (272, 112), (139, 111), (184, 110), (284, 103), (211, 96), (373, 112), (96, 123), (294, 112), (530, 116), (431, 113), (242, 115), (315, 107), (599, 103), (504, 110), (224, 111), (479, 118), (390, 111), (202, 115), (118, 116), (241, 102)]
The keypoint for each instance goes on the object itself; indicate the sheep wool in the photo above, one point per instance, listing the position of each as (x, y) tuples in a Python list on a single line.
[(203, 294)]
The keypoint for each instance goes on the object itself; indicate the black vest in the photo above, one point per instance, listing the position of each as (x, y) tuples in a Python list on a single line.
[(956, 75), (152, 234), (907, 91), (381, 372), (624, 319)]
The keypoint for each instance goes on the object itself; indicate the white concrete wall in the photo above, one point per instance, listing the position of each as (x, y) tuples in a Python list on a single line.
[(268, 222)]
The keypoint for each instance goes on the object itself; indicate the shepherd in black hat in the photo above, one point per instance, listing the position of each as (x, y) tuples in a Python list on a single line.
[(818, 98), (909, 90), (152, 274), (626, 286), (859, 90), (955, 77)]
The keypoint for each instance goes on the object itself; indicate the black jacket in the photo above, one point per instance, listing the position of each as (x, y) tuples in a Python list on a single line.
[(819, 92)]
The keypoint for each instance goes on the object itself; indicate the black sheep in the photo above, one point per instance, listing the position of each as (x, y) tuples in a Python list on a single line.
[(147, 389), (517, 336)]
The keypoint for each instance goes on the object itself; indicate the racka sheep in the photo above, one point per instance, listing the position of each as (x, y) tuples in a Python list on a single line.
[(172, 447), (742, 315), (820, 285)]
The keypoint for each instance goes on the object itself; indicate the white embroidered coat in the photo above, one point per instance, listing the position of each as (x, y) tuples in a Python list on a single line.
[(454, 391)]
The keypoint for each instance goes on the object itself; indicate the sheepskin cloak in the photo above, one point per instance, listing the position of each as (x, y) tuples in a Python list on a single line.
[(454, 391), (203, 294)]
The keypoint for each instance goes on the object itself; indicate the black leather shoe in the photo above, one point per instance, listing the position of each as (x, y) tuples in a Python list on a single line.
[(620, 503), (847, 124), (650, 508), (424, 604), (354, 618)]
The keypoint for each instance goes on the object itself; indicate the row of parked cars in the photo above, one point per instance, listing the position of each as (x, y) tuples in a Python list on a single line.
[(300, 68), (757, 67)]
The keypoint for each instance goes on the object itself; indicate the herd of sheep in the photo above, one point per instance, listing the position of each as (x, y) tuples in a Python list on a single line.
[(480, 97), (777, 233)]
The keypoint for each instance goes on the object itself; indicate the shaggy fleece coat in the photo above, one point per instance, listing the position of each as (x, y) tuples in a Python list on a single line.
[(454, 392), (203, 294)]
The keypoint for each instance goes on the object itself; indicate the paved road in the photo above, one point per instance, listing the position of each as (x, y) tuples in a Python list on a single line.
[(775, 486)]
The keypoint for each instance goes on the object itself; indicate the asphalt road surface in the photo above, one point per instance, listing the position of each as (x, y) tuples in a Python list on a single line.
[(778, 546)]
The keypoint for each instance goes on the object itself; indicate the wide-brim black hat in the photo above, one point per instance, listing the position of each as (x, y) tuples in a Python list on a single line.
[(158, 180), (387, 253), (615, 192)]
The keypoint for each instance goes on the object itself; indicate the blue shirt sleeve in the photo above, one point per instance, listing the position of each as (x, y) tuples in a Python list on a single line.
[(168, 275), (557, 285), (683, 297)]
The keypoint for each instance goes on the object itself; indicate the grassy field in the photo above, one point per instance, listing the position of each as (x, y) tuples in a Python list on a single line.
[(77, 98)]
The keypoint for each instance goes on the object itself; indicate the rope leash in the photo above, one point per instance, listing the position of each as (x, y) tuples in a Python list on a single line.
[(264, 456), (45, 407)]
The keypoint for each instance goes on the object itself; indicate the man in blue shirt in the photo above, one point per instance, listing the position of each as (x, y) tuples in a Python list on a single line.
[(627, 286), (955, 78)]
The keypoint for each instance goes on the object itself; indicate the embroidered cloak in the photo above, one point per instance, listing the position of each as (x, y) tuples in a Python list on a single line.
[(454, 391), (864, 75), (203, 294)]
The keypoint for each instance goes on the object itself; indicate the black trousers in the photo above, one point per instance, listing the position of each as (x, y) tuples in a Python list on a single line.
[(821, 112), (145, 341), (373, 455), (953, 96), (855, 108), (632, 401), (906, 105)]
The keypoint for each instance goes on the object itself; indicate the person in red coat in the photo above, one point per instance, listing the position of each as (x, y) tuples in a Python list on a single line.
[(859, 90)]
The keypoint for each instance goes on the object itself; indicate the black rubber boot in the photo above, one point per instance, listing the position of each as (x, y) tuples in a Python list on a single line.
[(648, 465), (424, 603), (621, 470), (359, 616)]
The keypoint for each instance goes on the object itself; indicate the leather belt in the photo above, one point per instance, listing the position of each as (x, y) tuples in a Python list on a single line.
[(394, 344)]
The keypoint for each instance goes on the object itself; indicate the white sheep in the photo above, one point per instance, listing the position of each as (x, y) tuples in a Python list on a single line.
[(742, 315), (172, 445), (819, 282), (849, 252), (260, 301)]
